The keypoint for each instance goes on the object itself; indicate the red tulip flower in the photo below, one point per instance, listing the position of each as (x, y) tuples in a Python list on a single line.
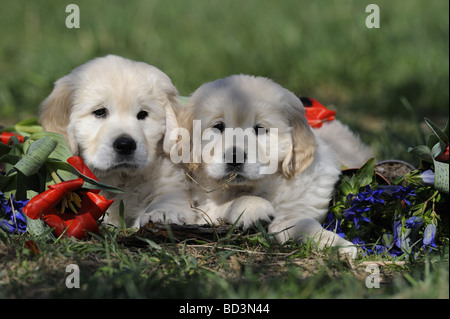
[(31, 245), (68, 207), (5, 136), (316, 113), (444, 156)]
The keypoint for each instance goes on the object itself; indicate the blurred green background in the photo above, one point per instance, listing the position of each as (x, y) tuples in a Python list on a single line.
[(381, 81)]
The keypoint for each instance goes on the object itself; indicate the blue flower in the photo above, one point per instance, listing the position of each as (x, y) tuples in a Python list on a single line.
[(397, 233), (333, 225), (365, 217), (370, 196), (377, 249), (12, 220), (400, 192), (427, 177), (406, 233), (429, 236), (355, 214), (361, 203), (413, 222)]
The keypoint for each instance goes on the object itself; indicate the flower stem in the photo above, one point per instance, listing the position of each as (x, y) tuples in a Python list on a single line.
[(425, 204), (13, 212), (54, 175)]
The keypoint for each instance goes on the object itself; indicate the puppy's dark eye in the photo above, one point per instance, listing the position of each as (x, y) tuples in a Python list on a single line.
[(260, 130), (142, 115), (219, 126), (100, 113)]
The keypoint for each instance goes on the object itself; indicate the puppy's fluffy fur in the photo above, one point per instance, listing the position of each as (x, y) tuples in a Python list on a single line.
[(295, 199), (347, 147), (115, 113)]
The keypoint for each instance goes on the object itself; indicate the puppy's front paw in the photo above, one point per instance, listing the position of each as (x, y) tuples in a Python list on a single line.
[(162, 216), (351, 251), (250, 209)]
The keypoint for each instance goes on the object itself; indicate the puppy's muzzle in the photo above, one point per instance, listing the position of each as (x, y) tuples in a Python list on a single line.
[(235, 159), (124, 145)]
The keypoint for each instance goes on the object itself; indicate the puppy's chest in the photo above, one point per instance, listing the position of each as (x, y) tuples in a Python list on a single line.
[(133, 199), (224, 196), (134, 191)]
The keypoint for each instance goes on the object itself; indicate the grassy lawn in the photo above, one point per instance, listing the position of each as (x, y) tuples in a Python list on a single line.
[(381, 81), (238, 266)]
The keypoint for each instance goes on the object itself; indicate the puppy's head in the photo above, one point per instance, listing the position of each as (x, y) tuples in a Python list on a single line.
[(113, 112), (270, 119)]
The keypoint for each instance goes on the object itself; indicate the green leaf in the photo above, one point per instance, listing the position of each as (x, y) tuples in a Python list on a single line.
[(10, 159), (437, 131), (38, 227), (346, 188), (438, 149), (62, 151), (431, 141), (8, 183), (366, 173), (67, 172), (4, 149), (90, 183), (64, 170), (27, 127), (36, 156), (422, 151)]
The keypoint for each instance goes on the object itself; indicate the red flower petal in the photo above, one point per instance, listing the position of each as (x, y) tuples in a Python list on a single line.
[(94, 204), (5, 136), (31, 245), (316, 114), (77, 226), (77, 162), (81, 226), (56, 221), (45, 202)]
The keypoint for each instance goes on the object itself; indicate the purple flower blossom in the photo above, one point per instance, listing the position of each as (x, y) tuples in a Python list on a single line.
[(429, 236), (370, 196), (428, 177), (376, 249), (12, 220), (332, 224), (369, 216), (400, 192), (413, 222), (361, 203), (406, 233)]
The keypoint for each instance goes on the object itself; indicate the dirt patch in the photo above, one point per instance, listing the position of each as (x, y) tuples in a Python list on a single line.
[(392, 169)]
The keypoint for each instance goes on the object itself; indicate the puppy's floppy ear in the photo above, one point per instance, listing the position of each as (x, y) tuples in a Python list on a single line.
[(55, 109), (171, 108), (303, 148), (186, 121), (171, 124)]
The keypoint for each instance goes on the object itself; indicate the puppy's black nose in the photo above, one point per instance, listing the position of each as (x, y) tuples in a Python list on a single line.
[(124, 145), (237, 158)]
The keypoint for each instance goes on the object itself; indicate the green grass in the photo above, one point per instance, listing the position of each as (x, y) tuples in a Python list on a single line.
[(320, 49), (245, 267)]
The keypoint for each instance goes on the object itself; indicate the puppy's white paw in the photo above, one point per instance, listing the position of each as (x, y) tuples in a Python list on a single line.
[(162, 216), (351, 252), (250, 209)]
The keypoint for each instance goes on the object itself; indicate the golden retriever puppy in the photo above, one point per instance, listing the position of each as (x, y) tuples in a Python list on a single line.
[(115, 113), (254, 157)]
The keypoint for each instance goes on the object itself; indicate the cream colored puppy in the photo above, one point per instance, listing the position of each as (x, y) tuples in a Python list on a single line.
[(233, 180), (115, 113)]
